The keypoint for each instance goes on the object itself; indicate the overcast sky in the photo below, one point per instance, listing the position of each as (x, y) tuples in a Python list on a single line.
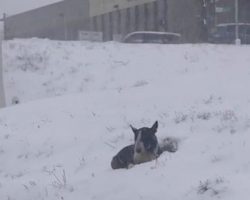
[(11, 7)]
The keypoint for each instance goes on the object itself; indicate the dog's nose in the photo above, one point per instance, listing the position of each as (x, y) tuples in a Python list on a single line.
[(138, 150)]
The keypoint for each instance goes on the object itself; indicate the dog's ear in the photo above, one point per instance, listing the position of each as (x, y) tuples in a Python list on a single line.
[(133, 129), (154, 127)]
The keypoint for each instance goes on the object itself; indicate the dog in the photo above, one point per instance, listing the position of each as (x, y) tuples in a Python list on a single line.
[(145, 148)]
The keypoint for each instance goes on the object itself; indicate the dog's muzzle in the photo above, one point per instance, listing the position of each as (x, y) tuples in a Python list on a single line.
[(138, 150)]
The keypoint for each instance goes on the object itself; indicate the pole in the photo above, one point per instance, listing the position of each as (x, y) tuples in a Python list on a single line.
[(64, 24), (2, 96), (237, 39)]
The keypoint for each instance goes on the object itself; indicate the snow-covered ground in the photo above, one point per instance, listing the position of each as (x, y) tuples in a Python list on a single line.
[(61, 147)]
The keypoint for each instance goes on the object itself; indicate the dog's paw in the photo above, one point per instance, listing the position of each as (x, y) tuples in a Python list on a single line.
[(130, 166)]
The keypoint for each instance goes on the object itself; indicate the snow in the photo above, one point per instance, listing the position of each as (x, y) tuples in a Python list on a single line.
[(77, 100)]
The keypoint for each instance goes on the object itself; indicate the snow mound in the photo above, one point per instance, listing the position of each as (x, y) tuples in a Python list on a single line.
[(61, 147)]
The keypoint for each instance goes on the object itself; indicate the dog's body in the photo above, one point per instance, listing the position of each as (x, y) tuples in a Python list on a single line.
[(124, 158), (145, 148)]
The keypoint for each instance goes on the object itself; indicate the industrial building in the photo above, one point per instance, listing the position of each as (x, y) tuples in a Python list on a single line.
[(105, 20), (225, 11)]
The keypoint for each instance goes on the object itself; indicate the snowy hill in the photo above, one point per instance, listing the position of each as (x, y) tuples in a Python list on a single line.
[(61, 147)]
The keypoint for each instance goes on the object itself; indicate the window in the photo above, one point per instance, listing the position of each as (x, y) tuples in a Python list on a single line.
[(231, 28), (248, 29)]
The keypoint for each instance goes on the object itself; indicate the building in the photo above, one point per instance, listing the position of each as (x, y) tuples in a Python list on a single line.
[(225, 11), (106, 20), (60, 21)]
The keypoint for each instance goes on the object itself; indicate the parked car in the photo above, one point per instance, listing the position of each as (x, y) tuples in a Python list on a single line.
[(225, 33), (152, 37)]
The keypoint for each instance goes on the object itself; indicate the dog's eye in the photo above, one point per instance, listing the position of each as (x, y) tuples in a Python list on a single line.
[(148, 146)]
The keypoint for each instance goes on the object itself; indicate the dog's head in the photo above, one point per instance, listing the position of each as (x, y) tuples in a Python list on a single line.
[(145, 139)]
